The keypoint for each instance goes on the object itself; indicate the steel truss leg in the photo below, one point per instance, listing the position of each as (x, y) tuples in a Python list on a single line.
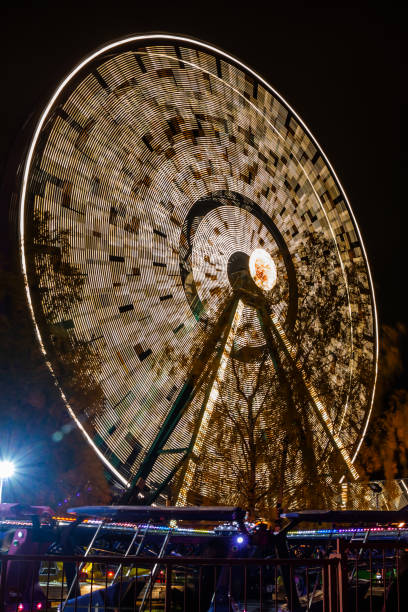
[(183, 400), (272, 330)]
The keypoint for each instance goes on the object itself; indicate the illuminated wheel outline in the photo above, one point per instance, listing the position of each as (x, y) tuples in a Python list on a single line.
[(73, 79)]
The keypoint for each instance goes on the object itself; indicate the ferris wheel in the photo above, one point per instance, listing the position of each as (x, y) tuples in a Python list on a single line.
[(176, 217)]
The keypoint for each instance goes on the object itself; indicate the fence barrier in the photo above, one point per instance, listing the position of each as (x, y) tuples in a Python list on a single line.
[(353, 577)]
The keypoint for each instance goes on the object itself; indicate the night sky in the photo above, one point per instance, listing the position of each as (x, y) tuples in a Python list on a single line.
[(341, 68)]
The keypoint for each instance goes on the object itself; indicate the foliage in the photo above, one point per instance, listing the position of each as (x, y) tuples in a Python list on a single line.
[(59, 285), (386, 455), (53, 462)]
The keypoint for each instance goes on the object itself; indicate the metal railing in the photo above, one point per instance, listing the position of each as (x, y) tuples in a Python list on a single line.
[(378, 569), (355, 577)]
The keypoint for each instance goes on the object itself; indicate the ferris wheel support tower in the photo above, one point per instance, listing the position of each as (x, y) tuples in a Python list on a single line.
[(166, 192)]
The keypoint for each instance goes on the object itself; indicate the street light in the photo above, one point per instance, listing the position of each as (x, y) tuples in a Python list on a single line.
[(6, 471)]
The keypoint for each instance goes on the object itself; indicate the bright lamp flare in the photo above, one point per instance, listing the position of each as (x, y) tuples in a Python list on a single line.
[(6, 469), (262, 269)]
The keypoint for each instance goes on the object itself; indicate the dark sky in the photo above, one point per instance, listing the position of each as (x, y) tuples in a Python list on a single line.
[(341, 67)]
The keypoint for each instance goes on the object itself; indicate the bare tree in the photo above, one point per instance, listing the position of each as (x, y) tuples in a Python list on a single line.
[(244, 421)]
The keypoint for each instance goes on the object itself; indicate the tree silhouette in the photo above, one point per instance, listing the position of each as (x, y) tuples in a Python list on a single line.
[(385, 455), (244, 420), (57, 287), (53, 461)]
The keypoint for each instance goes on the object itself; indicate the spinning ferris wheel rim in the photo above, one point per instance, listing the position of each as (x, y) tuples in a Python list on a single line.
[(195, 43)]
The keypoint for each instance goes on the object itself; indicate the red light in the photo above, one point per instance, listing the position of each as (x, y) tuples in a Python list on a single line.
[(39, 605), (20, 606), (111, 574)]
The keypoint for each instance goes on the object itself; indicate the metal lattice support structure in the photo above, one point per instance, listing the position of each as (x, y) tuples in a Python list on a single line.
[(167, 185)]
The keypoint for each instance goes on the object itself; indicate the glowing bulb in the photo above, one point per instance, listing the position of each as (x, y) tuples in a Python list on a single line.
[(262, 269)]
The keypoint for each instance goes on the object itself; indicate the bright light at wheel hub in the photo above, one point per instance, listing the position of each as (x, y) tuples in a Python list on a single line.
[(262, 269)]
